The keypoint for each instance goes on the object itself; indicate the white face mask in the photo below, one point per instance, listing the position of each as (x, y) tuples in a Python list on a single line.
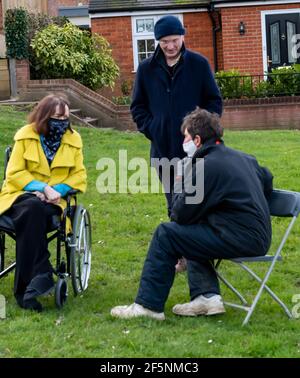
[(189, 148)]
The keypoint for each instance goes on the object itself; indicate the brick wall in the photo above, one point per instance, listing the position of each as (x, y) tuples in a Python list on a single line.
[(262, 114), (22, 72), (245, 52), (117, 30), (81, 97), (253, 114), (199, 35)]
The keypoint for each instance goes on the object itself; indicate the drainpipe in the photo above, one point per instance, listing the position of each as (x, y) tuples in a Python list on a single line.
[(211, 10)]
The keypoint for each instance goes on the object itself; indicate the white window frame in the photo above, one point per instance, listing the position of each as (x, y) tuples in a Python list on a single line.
[(145, 35)]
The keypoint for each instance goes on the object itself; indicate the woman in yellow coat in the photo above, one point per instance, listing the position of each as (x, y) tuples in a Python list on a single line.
[(46, 162)]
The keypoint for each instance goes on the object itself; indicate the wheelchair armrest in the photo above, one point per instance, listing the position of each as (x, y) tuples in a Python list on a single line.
[(71, 193)]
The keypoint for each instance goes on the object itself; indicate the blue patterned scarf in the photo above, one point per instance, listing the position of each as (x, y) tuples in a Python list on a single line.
[(51, 142)]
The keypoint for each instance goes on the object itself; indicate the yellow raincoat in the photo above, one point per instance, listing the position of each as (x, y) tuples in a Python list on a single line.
[(28, 162)]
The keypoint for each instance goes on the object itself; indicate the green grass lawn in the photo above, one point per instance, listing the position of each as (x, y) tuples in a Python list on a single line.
[(122, 228)]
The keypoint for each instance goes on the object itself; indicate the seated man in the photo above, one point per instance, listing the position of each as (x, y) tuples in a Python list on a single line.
[(232, 219)]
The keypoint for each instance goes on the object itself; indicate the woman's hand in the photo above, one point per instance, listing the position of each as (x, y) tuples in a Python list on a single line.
[(40, 195), (52, 196)]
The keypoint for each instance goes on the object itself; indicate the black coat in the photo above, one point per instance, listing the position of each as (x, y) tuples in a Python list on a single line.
[(160, 102), (235, 199)]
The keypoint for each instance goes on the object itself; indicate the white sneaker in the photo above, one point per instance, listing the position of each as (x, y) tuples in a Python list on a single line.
[(201, 306), (134, 310)]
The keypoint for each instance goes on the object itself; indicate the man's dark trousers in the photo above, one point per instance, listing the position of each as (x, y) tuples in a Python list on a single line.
[(201, 275), (170, 241)]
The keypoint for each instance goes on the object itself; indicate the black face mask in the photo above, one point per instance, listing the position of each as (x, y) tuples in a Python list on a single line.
[(57, 126), (56, 130)]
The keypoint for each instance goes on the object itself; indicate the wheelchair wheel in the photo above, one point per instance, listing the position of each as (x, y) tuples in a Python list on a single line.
[(80, 258), (61, 292)]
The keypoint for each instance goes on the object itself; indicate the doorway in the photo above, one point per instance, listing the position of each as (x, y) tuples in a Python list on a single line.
[(280, 44)]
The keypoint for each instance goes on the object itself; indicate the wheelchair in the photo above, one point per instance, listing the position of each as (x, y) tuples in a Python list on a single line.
[(76, 265)]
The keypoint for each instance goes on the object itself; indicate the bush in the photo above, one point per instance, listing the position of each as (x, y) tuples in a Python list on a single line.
[(68, 52), (233, 85), (36, 23), (16, 33), (122, 100), (263, 89), (284, 81), (126, 87), (281, 81)]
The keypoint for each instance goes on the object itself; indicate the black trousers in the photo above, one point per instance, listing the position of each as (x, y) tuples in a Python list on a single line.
[(31, 218), (201, 274), (199, 244)]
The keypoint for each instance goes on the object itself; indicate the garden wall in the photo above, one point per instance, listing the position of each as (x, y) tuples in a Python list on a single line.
[(243, 114)]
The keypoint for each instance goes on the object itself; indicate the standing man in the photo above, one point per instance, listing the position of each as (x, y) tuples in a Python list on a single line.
[(168, 86)]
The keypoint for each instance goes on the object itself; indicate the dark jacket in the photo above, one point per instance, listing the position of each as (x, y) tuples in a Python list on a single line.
[(235, 199), (160, 102)]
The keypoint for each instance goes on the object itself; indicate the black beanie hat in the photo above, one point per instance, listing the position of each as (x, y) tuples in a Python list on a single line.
[(168, 25)]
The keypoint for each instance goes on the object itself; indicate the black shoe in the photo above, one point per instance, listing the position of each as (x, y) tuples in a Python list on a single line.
[(19, 299), (42, 284), (32, 304)]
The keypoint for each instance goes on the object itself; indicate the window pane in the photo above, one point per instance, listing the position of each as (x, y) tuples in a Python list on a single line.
[(149, 54), (149, 22), (275, 43), (291, 30), (150, 45), (142, 57), (140, 26), (141, 45)]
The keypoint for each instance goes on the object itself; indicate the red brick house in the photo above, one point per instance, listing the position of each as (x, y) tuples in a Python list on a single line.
[(251, 36)]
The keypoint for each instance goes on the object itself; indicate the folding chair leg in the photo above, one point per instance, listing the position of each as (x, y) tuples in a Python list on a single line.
[(233, 289), (258, 295)]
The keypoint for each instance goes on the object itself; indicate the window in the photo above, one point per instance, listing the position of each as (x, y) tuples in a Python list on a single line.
[(275, 43), (144, 43), (291, 31)]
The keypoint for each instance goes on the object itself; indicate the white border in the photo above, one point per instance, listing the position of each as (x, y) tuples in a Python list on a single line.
[(84, 20), (146, 13), (263, 30), (256, 3)]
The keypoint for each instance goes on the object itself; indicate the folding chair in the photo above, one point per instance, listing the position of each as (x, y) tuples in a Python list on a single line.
[(282, 203)]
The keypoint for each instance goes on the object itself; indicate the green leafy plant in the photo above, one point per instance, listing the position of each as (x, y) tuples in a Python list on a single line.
[(284, 80), (68, 52), (263, 89), (126, 87), (16, 33), (281, 81), (122, 100), (36, 23), (233, 85)]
